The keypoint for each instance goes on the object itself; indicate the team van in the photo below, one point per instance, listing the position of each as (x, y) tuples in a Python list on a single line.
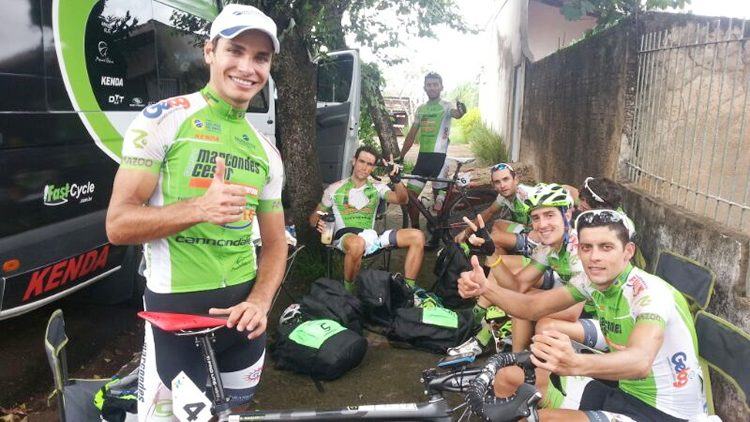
[(74, 74)]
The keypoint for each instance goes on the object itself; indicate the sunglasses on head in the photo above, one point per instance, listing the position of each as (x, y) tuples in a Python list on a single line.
[(503, 166), (605, 216), (596, 197)]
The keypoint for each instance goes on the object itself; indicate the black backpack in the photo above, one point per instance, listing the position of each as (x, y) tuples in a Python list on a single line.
[(450, 263), (328, 299), (432, 329), (321, 348), (381, 295)]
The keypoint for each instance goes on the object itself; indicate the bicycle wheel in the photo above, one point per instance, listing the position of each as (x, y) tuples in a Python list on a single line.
[(458, 207)]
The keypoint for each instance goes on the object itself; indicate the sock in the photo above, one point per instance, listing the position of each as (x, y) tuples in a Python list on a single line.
[(350, 286), (494, 312), (484, 335), (410, 282), (479, 313)]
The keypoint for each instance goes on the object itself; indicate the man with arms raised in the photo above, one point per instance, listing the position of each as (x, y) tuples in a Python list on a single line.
[(354, 202), (646, 322), (194, 173)]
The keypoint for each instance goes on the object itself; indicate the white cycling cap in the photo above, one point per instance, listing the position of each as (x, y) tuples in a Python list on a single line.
[(237, 18)]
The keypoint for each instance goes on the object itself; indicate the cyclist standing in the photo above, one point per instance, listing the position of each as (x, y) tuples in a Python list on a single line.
[(647, 324), (193, 175), (432, 127)]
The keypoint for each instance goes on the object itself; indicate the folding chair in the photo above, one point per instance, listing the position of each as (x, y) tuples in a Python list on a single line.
[(74, 396), (385, 252), (690, 278), (726, 349)]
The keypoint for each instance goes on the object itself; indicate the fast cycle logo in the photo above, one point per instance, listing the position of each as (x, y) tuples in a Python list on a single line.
[(103, 50), (55, 195)]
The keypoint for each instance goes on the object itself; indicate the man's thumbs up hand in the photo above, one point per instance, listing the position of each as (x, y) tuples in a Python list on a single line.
[(472, 283)]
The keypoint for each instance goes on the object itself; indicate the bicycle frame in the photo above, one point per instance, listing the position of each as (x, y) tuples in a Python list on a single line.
[(435, 409), (438, 223)]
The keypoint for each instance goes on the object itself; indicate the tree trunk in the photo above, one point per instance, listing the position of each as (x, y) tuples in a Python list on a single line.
[(294, 75), (382, 121)]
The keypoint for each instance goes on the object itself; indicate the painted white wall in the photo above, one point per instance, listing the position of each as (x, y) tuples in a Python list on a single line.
[(549, 31)]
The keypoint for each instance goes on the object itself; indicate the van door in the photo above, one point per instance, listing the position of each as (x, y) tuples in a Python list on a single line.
[(337, 114)]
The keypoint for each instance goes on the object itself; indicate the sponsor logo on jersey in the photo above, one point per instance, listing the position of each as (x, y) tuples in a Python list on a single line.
[(205, 166), (206, 137), (155, 110), (137, 162), (193, 240), (138, 138), (245, 222), (637, 284), (243, 138), (212, 126), (111, 81), (680, 369), (610, 327), (70, 270), (198, 124), (55, 195)]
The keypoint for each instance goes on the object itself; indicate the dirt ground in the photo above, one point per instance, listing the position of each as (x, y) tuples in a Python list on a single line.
[(102, 338)]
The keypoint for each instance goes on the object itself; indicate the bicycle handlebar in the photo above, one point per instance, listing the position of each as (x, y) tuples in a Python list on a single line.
[(476, 397)]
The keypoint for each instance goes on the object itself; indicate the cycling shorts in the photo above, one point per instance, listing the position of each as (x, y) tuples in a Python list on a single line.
[(604, 403), (373, 241), (165, 355), (429, 164)]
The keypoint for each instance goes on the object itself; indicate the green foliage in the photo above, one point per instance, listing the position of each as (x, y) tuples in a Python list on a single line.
[(467, 93), (309, 265), (487, 145), (470, 121), (367, 134), (609, 12)]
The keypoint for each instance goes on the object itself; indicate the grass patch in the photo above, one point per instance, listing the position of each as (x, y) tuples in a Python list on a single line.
[(488, 146)]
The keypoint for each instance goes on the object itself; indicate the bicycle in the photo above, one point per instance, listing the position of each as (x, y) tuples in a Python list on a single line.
[(463, 198), (453, 374)]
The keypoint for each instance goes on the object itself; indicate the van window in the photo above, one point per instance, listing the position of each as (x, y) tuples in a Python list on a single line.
[(179, 49), (335, 79), (21, 58), (120, 54)]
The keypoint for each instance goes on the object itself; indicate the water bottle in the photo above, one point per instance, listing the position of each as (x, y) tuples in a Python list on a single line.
[(330, 221)]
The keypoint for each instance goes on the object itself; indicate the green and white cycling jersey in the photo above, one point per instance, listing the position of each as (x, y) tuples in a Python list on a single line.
[(434, 120), (179, 139), (519, 212), (674, 384), (352, 206), (565, 263)]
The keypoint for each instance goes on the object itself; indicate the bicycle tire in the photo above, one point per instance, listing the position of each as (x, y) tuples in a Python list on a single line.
[(457, 208)]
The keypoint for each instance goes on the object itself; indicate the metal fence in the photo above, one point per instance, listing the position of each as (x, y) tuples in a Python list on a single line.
[(691, 140)]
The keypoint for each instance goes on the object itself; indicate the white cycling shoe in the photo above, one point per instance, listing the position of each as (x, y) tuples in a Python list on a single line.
[(469, 346)]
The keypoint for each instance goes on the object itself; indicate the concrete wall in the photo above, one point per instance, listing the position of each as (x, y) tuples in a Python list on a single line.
[(574, 113), (665, 227)]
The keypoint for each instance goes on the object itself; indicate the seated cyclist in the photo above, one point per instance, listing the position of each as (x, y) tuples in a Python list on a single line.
[(354, 202), (653, 348), (508, 235), (192, 203), (552, 263)]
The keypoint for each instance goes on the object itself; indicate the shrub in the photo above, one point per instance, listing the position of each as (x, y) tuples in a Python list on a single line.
[(487, 145), (469, 122)]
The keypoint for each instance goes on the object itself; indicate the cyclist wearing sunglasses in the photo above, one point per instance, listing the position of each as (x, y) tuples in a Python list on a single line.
[(647, 324), (509, 235), (431, 126)]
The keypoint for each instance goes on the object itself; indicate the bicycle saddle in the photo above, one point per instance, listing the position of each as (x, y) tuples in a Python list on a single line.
[(173, 322)]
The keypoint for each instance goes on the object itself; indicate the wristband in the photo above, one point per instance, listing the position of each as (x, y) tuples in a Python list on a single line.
[(496, 263)]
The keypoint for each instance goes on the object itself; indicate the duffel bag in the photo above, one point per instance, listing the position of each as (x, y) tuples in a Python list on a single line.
[(321, 348), (328, 299), (381, 294), (432, 329), (450, 263)]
